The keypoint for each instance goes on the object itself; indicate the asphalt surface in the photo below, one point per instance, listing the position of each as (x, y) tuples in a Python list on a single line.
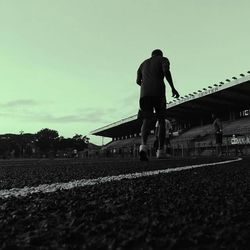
[(203, 208)]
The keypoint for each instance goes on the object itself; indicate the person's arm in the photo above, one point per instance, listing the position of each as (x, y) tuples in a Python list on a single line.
[(139, 76), (157, 129), (168, 76), (170, 127), (213, 124), (220, 124)]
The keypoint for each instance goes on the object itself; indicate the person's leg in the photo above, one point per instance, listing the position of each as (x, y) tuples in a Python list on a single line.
[(161, 152), (168, 147), (146, 114), (145, 130), (220, 150), (219, 144), (160, 108), (156, 142), (161, 134)]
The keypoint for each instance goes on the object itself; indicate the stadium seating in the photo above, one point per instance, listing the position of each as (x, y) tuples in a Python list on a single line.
[(195, 132), (198, 140), (240, 126)]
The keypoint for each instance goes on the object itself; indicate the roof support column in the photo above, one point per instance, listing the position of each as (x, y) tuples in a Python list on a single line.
[(232, 115)]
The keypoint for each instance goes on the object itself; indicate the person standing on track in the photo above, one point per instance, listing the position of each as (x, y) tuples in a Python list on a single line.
[(150, 77), (168, 130), (218, 130)]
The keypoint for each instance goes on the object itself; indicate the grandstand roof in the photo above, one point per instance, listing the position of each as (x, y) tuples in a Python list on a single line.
[(223, 97)]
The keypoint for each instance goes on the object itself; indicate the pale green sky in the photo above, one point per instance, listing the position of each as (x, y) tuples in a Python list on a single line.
[(71, 65)]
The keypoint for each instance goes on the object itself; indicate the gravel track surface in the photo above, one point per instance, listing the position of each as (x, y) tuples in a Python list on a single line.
[(18, 174), (205, 208)]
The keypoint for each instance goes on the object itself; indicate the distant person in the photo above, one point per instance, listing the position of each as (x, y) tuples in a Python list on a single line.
[(168, 131), (218, 130), (150, 76)]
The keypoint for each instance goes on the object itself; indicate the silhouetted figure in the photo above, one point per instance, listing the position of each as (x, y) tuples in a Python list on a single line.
[(218, 131), (150, 76), (168, 130)]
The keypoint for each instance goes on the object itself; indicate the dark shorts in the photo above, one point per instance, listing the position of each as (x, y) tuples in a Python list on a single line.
[(218, 138), (149, 104)]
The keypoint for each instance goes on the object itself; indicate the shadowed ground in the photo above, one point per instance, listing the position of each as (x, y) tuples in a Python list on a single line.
[(205, 208)]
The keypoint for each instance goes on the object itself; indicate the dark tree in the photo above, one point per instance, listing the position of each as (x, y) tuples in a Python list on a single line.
[(46, 140), (80, 142)]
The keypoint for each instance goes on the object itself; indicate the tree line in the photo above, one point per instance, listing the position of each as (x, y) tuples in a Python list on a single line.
[(44, 143)]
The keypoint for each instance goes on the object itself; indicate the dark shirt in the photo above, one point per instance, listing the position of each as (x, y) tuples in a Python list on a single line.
[(150, 76)]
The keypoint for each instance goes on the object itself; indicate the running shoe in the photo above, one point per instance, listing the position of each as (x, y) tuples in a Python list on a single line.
[(143, 153)]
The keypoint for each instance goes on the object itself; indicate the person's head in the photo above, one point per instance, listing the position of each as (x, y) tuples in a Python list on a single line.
[(157, 52), (215, 115)]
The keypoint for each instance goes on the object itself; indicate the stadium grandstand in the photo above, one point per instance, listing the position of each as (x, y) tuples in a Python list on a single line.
[(192, 123)]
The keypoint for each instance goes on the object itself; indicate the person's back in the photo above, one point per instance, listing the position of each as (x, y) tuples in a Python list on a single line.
[(152, 75)]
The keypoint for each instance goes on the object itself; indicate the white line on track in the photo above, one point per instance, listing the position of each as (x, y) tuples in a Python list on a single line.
[(49, 188)]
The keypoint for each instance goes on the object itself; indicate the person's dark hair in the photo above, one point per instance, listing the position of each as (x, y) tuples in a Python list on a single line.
[(157, 52), (216, 115)]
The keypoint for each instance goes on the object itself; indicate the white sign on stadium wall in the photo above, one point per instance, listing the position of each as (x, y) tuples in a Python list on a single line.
[(240, 140), (245, 113)]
